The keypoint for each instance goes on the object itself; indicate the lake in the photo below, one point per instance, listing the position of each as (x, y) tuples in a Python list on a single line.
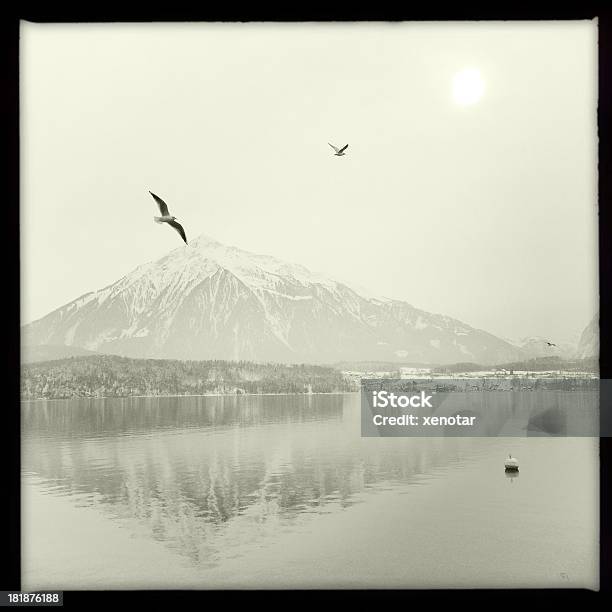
[(283, 492)]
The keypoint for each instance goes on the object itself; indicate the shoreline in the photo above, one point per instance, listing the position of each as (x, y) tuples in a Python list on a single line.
[(64, 399)]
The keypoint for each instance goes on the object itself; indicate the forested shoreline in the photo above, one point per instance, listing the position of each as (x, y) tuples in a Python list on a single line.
[(114, 376)]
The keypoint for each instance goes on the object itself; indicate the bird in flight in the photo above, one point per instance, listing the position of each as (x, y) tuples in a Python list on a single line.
[(338, 152), (550, 343), (167, 217)]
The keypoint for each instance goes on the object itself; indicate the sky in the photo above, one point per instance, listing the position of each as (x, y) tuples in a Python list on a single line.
[(469, 187)]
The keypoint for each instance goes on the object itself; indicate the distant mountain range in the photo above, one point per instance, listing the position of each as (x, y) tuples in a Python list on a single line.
[(537, 346), (212, 301)]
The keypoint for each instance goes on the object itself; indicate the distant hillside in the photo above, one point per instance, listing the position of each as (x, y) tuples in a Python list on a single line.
[(537, 346), (538, 364), (377, 366), (49, 352), (113, 376)]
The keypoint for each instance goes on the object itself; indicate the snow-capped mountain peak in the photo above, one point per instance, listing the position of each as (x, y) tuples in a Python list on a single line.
[(210, 300)]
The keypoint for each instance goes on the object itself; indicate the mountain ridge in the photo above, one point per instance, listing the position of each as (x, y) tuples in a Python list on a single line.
[(208, 300)]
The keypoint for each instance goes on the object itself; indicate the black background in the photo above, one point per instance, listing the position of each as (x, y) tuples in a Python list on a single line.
[(9, 283)]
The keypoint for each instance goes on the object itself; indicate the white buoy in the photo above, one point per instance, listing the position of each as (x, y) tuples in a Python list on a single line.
[(511, 464)]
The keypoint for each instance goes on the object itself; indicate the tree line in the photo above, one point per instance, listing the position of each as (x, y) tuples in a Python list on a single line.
[(535, 364), (114, 376)]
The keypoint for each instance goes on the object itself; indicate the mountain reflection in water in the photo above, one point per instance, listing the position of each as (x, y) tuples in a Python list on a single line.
[(182, 468), (284, 492)]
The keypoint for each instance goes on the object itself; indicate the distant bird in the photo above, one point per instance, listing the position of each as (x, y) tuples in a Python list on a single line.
[(167, 217), (338, 152), (550, 343)]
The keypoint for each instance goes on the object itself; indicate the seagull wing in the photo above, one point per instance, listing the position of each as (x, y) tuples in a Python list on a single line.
[(163, 208), (179, 228), (334, 148), (343, 148)]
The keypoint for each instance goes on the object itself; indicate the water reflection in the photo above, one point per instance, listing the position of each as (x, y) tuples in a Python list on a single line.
[(204, 475), (511, 476)]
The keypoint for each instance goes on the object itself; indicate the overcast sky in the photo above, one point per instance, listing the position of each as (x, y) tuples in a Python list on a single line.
[(485, 211)]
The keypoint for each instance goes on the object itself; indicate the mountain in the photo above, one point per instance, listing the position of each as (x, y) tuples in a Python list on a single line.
[(536, 346), (211, 301), (588, 345)]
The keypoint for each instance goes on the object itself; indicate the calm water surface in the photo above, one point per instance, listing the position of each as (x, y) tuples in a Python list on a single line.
[(282, 491)]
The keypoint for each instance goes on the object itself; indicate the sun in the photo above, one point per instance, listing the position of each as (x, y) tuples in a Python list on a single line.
[(468, 86)]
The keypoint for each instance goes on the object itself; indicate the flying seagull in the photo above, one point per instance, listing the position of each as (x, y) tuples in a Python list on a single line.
[(338, 152), (167, 217), (550, 343)]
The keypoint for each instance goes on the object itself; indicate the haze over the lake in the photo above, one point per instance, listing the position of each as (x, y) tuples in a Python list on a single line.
[(469, 186)]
